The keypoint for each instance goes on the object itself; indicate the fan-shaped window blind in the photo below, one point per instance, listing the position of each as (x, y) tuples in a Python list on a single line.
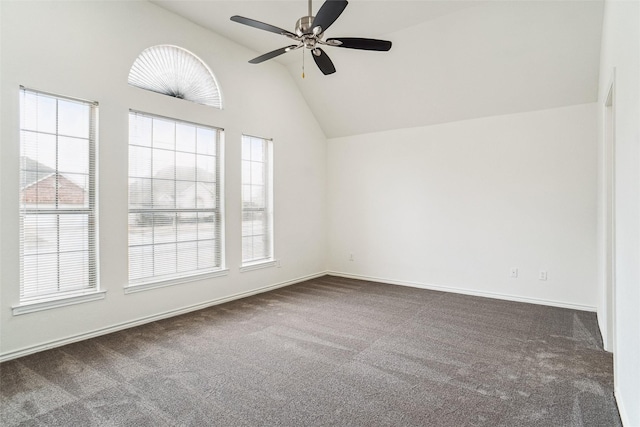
[(174, 71)]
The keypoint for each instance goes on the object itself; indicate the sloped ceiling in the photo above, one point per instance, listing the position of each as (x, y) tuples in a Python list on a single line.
[(450, 60)]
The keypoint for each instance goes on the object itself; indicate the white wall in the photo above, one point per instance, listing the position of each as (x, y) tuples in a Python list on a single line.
[(85, 50), (621, 49), (457, 205)]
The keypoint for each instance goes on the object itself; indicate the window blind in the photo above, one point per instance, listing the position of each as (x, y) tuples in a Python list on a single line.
[(174, 71), (257, 230), (57, 196), (175, 220)]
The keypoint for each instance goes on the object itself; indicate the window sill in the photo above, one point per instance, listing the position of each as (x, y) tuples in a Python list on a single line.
[(145, 286), (258, 265), (46, 304)]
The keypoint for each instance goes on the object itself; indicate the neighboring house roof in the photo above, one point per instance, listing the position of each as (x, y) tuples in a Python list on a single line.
[(41, 184), (169, 184), (32, 171)]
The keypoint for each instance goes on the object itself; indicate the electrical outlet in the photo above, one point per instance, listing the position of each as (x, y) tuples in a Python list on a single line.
[(542, 275), (278, 264), (350, 257), (513, 273)]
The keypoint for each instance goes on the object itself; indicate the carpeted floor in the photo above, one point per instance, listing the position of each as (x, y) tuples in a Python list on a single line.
[(329, 351)]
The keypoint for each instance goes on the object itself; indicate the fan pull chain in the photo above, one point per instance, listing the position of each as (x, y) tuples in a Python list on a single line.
[(303, 63)]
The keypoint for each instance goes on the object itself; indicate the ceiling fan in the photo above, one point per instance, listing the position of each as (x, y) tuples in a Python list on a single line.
[(309, 32)]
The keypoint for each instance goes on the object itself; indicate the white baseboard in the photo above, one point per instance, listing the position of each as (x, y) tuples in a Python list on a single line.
[(141, 321), (148, 319), (465, 291), (621, 409)]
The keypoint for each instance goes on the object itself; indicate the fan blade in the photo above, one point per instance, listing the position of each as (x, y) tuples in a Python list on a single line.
[(327, 14), (323, 62), (358, 43), (272, 54), (262, 26)]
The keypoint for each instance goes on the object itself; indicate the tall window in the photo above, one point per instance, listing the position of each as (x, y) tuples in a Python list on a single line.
[(175, 218), (257, 192), (57, 196)]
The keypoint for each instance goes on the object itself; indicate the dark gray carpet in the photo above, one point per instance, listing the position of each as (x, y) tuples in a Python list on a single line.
[(328, 351)]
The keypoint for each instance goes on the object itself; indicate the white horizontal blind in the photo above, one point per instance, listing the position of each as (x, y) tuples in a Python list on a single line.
[(257, 230), (57, 196), (175, 223)]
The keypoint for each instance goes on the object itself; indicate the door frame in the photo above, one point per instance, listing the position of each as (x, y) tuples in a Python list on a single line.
[(609, 214)]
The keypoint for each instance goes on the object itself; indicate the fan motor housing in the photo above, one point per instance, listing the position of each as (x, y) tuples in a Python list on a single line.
[(303, 26)]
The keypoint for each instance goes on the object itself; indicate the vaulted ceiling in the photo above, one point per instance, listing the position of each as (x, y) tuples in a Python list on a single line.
[(450, 60)]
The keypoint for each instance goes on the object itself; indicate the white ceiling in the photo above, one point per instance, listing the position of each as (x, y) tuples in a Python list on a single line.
[(450, 60)]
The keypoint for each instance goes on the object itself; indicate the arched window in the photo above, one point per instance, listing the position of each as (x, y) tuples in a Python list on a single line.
[(174, 71)]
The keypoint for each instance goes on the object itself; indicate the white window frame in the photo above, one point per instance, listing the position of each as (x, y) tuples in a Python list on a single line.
[(91, 292), (218, 212), (269, 260)]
